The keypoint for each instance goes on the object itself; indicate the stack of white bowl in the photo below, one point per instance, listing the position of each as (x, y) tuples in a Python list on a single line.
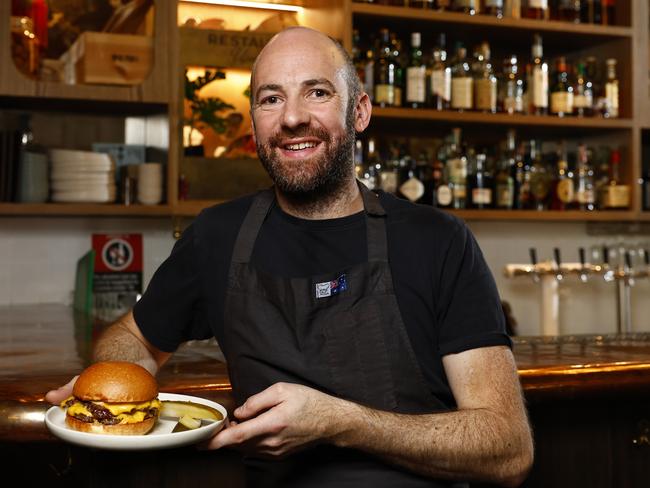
[(82, 176), (150, 183)]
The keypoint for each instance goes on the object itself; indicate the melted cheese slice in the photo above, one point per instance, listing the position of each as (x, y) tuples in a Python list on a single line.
[(120, 410)]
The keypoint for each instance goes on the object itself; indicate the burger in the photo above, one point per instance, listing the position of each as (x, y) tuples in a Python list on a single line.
[(113, 397)]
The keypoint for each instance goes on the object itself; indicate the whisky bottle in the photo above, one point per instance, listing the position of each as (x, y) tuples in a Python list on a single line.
[(511, 88), (369, 74), (443, 5), (424, 4), (469, 7), (539, 78), (536, 9), (585, 197), (411, 186), (416, 75), (610, 108), (391, 171), (523, 199), (583, 94), (479, 184), (614, 195), (367, 172), (384, 75), (462, 83), (440, 77), (562, 91), (569, 11), (493, 8), (485, 82), (504, 183), (609, 12), (591, 12), (457, 170), (563, 192), (442, 194), (399, 71), (540, 180)]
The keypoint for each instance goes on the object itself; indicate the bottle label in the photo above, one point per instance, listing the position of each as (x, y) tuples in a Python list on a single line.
[(486, 94), (441, 83), (584, 100), (460, 191), (482, 196), (585, 195), (561, 102), (397, 101), (413, 189), (461, 92), (616, 196), (494, 3), (611, 94), (416, 84), (465, 3), (543, 4), (457, 170), (540, 87), (385, 94), (389, 182), (505, 195), (565, 190), (444, 196)]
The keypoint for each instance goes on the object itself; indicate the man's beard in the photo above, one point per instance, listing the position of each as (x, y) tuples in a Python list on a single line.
[(307, 182)]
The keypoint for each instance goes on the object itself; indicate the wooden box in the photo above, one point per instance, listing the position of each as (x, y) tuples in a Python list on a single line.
[(110, 59)]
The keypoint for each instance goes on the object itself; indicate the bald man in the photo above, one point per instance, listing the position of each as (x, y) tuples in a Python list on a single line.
[(364, 335)]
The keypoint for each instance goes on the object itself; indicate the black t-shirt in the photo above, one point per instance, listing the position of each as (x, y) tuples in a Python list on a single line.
[(445, 291)]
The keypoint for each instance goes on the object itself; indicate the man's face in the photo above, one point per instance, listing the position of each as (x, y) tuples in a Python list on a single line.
[(302, 123)]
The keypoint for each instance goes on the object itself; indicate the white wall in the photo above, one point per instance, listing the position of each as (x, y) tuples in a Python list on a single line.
[(38, 259)]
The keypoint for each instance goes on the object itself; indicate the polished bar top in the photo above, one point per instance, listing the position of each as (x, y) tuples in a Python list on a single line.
[(43, 346)]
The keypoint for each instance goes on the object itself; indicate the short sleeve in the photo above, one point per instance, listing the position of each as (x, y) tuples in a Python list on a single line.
[(171, 310), (469, 308)]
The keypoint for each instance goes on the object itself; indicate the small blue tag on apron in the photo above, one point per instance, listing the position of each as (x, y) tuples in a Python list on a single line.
[(329, 288)]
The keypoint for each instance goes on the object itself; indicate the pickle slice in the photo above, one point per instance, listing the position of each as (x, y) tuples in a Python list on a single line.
[(189, 409)]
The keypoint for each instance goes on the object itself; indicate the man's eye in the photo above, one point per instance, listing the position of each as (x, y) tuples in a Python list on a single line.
[(319, 93), (270, 100)]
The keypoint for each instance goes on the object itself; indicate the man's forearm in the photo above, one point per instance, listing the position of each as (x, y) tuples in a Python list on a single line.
[(121, 342), (464, 445)]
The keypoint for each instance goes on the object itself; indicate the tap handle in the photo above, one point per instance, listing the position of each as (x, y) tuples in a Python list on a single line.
[(606, 255), (533, 256), (646, 257), (581, 252), (628, 260), (556, 255)]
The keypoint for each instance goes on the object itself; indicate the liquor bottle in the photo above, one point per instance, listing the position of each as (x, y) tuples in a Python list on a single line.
[(442, 5), (563, 192), (583, 94), (479, 184), (442, 194), (485, 82), (399, 71), (461, 81), (493, 8), (504, 183), (609, 12), (411, 186), (511, 87), (569, 11), (562, 91), (469, 7), (539, 78), (536, 9), (614, 195), (610, 108), (425, 4), (540, 180), (597, 12), (585, 197), (440, 77), (457, 170), (391, 171), (416, 75), (384, 75), (523, 199), (367, 172), (357, 57), (591, 12), (369, 75)]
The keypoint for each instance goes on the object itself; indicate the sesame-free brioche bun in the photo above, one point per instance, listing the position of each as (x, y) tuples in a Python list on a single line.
[(115, 382), (138, 428)]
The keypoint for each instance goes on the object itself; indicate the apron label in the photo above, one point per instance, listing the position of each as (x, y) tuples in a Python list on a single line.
[(329, 288)]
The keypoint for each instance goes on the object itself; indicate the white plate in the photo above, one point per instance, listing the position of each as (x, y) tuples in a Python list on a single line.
[(159, 437)]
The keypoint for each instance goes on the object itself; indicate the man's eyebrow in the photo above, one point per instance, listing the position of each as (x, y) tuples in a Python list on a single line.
[(269, 87), (320, 81)]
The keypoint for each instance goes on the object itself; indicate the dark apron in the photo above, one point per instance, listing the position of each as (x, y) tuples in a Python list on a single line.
[(349, 342)]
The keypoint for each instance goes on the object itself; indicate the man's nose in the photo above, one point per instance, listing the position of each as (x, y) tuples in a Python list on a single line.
[(295, 113)]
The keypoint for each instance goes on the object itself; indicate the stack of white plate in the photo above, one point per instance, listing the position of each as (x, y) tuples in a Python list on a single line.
[(82, 176)]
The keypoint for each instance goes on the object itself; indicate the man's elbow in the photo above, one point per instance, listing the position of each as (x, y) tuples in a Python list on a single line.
[(519, 467)]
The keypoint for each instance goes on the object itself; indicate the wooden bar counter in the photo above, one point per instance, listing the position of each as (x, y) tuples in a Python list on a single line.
[(588, 398)]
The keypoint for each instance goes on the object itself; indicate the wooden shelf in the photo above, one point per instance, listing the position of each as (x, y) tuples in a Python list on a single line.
[(500, 118), (589, 30), (546, 215), (83, 209)]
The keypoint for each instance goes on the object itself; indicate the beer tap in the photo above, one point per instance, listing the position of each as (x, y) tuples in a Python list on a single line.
[(608, 274), (583, 271), (558, 264), (533, 260)]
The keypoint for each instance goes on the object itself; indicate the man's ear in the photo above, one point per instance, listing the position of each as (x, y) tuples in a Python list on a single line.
[(362, 113)]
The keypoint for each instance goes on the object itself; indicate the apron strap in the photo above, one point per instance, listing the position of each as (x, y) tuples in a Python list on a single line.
[(251, 226), (375, 224)]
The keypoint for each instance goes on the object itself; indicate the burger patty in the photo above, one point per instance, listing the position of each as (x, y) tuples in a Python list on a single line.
[(103, 415)]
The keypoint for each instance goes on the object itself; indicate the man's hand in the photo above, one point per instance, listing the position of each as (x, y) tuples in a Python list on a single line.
[(280, 420), (55, 397)]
